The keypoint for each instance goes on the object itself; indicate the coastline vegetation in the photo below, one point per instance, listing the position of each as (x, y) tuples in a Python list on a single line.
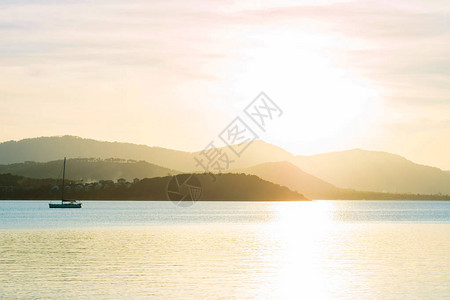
[(225, 187)]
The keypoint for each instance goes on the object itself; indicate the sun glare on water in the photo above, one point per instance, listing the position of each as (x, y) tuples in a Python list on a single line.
[(298, 228)]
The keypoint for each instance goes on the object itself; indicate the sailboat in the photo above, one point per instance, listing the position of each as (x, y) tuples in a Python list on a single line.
[(65, 203)]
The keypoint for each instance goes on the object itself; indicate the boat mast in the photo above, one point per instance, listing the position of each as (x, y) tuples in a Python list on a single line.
[(64, 174)]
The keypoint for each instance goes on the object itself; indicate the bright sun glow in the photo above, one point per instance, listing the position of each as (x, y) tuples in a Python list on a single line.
[(323, 103)]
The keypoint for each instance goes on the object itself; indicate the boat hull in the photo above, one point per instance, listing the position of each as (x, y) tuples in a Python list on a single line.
[(68, 205)]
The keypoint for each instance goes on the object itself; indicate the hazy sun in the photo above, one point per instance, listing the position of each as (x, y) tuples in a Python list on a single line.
[(323, 101)]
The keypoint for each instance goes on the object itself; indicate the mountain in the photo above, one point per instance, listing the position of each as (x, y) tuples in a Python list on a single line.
[(375, 171), (89, 169), (226, 187), (255, 153), (353, 169), (287, 174), (45, 149)]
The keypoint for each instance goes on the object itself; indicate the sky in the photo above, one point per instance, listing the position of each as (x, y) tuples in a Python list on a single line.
[(347, 74)]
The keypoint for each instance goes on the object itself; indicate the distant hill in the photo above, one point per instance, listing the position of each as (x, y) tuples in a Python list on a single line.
[(226, 187), (89, 169), (256, 153), (375, 171), (287, 174), (352, 169), (45, 149)]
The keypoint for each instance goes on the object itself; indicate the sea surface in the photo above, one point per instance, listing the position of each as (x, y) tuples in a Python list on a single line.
[(226, 250)]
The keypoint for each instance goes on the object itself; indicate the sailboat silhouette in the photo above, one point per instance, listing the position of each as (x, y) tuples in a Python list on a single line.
[(65, 203)]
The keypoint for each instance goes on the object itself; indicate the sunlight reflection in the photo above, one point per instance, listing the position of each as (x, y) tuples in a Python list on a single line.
[(298, 216), (299, 230)]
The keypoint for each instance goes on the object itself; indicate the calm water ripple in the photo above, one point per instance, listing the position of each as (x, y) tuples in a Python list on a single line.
[(215, 250)]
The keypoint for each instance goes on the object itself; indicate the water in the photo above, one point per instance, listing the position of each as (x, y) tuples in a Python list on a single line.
[(234, 250)]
